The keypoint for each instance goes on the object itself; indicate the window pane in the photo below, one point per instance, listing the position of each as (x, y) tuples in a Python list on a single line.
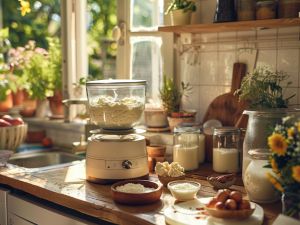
[(146, 15), (147, 62), (102, 50)]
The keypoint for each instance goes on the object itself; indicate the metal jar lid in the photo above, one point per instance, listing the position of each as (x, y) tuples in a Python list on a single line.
[(115, 82), (260, 153), (226, 130)]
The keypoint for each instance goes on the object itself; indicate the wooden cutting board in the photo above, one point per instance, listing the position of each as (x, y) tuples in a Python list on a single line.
[(226, 108)]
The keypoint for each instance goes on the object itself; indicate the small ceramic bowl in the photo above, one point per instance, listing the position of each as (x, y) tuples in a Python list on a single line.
[(4, 156), (231, 214), (137, 198), (184, 190), (167, 179), (222, 182)]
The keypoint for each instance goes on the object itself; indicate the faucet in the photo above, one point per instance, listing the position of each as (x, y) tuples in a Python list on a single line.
[(68, 102)]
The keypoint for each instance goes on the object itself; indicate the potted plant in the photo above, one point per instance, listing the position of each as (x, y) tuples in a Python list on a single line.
[(181, 11), (263, 91), (171, 97), (55, 71)]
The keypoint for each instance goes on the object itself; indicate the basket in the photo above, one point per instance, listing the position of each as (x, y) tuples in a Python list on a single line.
[(12, 137)]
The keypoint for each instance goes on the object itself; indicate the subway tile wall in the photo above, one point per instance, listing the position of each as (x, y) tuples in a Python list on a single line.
[(207, 64)]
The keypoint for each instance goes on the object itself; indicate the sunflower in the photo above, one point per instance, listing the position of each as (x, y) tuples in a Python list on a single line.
[(25, 7), (275, 183), (298, 126), (277, 143), (296, 173), (274, 165), (291, 132)]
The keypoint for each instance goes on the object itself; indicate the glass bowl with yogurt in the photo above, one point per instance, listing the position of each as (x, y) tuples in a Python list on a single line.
[(184, 190)]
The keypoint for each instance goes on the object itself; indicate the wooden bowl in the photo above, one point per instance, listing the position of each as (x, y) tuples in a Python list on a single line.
[(136, 198), (240, 214), (166, 180), (13, 136)]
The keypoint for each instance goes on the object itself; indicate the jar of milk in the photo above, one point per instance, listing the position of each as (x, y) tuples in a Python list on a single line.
[(256, 182), (189, 147), (226, 150)]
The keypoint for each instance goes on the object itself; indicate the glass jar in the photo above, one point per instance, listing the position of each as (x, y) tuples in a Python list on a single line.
[(116, 104), (256, 182), (246, 10), (225, 11), (288, 8), (226, 150), (189, 147), (265, 10)]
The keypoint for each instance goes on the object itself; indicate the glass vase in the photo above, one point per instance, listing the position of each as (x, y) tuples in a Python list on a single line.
[(291, 204)]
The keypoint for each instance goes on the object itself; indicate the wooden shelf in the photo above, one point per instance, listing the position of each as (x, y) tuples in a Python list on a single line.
[(232, 26)]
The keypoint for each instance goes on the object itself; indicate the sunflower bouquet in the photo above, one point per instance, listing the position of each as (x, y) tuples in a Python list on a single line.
[(284, 144)]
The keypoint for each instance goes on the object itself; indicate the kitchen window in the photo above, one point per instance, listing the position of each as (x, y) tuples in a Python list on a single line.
[(140, 51)]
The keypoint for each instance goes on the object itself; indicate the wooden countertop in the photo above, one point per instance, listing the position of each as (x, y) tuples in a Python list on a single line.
[(67, 187)]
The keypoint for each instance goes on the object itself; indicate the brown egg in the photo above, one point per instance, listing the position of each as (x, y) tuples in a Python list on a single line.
[(220, 205), (230, 204), (236, 196), (212, 203), (244, 204), (222, 196)]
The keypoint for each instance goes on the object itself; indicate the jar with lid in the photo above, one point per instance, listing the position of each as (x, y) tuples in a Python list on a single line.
[(265, 10), (257, 185), (189, 147), (246, 10), (288, 8), (226, 150)]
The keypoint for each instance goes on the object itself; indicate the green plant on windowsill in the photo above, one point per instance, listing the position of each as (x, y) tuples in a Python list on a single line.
[(262, 89), (185, 5), (171, 96)]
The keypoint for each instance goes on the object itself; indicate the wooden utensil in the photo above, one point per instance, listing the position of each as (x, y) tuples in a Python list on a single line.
[(226, 108)]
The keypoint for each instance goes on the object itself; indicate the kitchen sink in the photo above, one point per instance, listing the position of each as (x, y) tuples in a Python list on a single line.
[(42, 159)]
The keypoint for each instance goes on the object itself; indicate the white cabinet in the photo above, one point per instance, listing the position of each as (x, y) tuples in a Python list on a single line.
[(24, 211), (15, 220), (3, 208)]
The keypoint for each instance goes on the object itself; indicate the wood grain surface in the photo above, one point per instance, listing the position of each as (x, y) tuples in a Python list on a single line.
[(67, 187)]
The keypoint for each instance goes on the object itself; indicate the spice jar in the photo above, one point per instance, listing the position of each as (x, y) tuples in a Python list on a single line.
[(226, 150), (265, 10), (257, 185), (189, 147), (288, 8), (245, 10)]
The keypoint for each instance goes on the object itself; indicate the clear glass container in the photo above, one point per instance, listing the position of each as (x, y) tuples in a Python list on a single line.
[(288, 8), (116, 104), (256, 182), (265, 10), (246, 10), (189, 147), (226, 150)]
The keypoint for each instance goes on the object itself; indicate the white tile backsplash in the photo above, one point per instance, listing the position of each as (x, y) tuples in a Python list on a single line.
[(276, 48)]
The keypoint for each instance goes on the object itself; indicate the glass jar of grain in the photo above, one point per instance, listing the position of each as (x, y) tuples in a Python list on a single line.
[(265, 10)]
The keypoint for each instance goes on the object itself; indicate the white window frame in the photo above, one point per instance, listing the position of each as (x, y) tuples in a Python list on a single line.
[(124, 51)]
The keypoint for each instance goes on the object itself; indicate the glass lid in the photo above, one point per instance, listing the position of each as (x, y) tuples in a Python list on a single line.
[(115, 137), (116, 82)]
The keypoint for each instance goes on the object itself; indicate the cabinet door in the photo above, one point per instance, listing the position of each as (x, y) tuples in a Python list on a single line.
[(3, 206), (15, 220)]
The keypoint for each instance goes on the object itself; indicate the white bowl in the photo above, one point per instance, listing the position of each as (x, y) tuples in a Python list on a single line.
[(4, 156), (184, 190)]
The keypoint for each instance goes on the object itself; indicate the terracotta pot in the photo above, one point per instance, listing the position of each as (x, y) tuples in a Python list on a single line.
[(18, 97), (6, 104), (29, 106), (41, 109), (173, 122), (56, 105)]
